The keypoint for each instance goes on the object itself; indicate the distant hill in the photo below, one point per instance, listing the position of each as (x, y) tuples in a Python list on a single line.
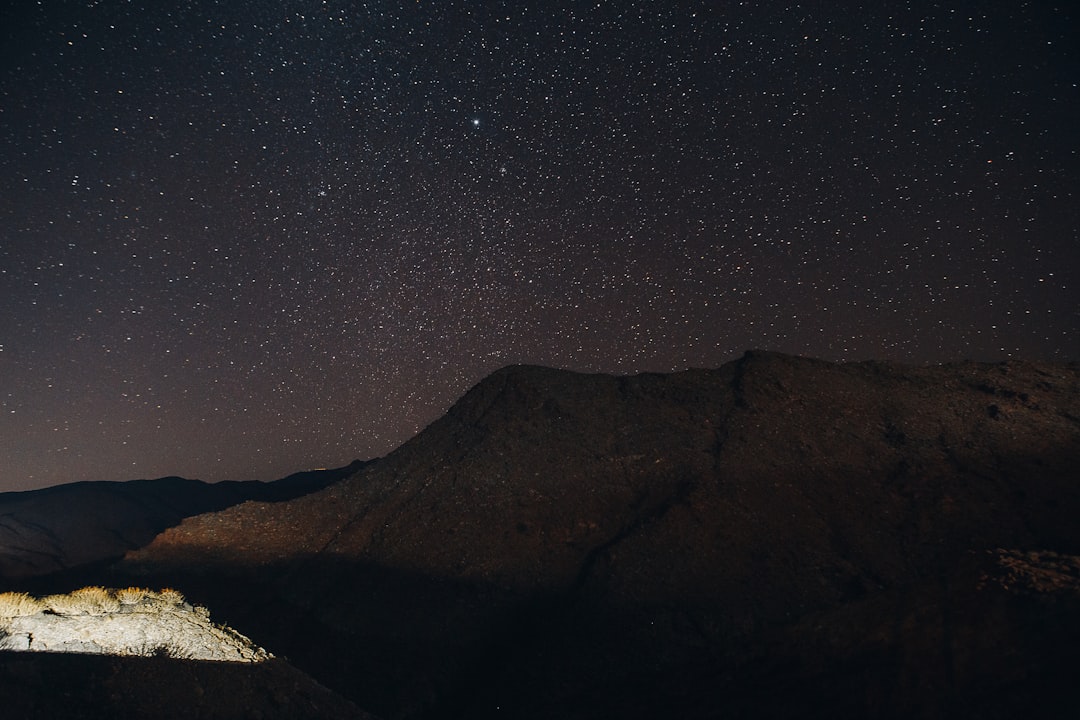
[(780, 537), (69, 526)]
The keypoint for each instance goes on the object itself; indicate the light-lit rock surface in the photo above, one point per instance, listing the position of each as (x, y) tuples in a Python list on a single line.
[(74, 525), (150, 627)]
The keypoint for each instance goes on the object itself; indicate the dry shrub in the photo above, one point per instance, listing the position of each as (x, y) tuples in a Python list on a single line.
[(17, 604), (171, 597), (132, 595), (64, 605), (98, 599), (92, 600)]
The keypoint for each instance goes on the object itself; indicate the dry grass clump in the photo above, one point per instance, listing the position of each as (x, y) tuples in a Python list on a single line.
[(91, 600), (133, 595), (17, 604), (171, 597), (62, 605), (97, 595)]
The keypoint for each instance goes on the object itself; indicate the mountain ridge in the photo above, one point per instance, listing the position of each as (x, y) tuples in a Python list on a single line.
[(64, 527), (598, 530)]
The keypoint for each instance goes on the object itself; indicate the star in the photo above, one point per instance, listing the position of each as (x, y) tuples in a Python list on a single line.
[(281, 230)]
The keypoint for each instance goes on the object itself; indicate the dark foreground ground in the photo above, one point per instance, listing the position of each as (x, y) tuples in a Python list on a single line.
[(38, 686)]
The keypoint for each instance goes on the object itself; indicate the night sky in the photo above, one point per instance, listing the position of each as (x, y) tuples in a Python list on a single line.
[(242, 239)]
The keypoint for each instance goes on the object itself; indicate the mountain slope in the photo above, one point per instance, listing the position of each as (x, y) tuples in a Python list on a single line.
[(559, 543), (67, 526)]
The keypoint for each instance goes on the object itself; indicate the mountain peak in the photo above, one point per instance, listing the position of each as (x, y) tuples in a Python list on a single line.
[(651, 523)]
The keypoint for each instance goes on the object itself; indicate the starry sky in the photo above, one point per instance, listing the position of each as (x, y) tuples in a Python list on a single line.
[(242, 239)]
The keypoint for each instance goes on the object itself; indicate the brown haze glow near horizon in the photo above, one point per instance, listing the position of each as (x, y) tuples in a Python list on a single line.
[(243, 239)]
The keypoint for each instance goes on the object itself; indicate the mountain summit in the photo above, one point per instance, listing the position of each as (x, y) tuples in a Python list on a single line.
[(566, 545)]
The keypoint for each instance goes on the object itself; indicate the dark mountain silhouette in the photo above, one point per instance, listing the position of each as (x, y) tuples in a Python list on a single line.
[(68, 526), (779, 537)]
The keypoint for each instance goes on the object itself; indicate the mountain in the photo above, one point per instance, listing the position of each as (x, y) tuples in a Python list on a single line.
[(781, 536), (69, 526)]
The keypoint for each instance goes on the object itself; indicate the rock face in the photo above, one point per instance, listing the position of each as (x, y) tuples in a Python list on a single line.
[(99, 653), (779, 536), (147, 625), (179, 633), (68, 526)]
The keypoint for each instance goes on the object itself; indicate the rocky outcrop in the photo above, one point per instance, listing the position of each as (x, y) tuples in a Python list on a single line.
[(144, 624), (99, 653), (566, 545)]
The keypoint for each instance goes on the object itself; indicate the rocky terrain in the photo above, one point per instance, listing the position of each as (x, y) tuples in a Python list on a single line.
[(779, 537), (70, 526), (131, 621), (99, 653)]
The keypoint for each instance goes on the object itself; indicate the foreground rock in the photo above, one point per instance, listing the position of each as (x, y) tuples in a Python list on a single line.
[(98, 653), (777, 537), (128, 622)]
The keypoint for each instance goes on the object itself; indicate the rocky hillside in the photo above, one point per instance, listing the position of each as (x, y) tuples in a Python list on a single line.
[(68, 526), (779, 536), (133, 652)]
